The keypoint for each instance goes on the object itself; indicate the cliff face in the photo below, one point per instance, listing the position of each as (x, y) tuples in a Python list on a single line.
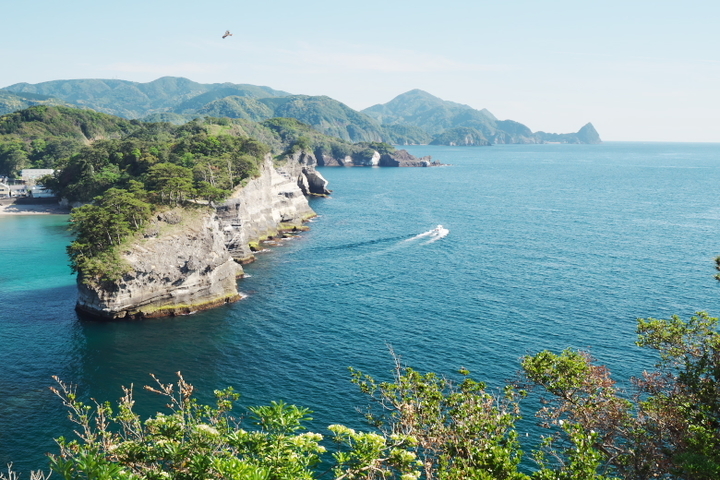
[(188, 260), (181, 266), (270, 204)]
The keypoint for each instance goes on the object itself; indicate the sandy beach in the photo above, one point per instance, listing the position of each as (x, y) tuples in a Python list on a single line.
[(25, 206)]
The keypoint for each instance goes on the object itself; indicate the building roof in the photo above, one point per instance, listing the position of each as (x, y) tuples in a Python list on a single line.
[(34, 173)]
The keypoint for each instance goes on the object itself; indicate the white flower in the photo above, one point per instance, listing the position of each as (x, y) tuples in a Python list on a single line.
[(207, 429)]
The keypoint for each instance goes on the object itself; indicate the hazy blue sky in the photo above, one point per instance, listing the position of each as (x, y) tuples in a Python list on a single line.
[(639, 70)]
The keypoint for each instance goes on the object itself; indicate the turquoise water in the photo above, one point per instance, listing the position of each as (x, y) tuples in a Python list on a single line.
[(550, 246)]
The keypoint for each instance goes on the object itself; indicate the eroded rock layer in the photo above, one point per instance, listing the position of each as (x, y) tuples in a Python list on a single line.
[(268, 205), (180, 267)]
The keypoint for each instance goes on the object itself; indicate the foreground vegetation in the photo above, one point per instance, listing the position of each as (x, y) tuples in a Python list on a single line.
[(427, 426)]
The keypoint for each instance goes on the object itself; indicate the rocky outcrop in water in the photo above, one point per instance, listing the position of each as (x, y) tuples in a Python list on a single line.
[(402, 158), (189, 260), (301, 166), (181, 266), (398, 158)]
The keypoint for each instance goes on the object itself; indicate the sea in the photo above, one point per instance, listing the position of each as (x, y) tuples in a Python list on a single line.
[(541, 247)]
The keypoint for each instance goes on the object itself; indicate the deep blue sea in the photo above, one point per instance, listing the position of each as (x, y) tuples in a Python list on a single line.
[(549, 246)]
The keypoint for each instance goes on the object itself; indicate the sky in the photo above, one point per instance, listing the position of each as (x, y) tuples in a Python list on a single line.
[(638, 70)]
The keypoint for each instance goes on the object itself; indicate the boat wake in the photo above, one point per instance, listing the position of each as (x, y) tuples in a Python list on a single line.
[(362, 244), (385, 245), (431, 235)]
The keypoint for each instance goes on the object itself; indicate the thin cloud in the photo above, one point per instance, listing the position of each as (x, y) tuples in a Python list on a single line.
[(166, 69), (387, 62), (357, 58)]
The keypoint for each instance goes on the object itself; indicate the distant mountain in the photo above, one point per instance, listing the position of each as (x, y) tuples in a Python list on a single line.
[(406, 135), (135, 100), (461, 136), (176, 99), (412, 108), (327, 116), (237, 107), (415, 117), (430, 113), (586, 134), (247, 92), (452, 123), (12, 102)]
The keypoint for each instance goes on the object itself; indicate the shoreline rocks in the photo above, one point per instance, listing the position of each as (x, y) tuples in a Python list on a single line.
[(398, 158)]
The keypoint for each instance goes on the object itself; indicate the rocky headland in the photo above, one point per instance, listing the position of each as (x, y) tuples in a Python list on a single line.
[(180, 266), (190, 259)]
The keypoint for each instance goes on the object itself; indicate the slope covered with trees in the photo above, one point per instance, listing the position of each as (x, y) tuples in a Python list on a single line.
[(47, 137), (12, 102), (135, 100), (41, 136), (123, 181)]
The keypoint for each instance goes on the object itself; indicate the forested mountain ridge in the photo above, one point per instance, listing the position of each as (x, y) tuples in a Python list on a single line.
[(415, 117), (60, 121), (452, 123), (50, 137), (135, 100), (420, 108), (42, 136), (12, 102), (327, 116)]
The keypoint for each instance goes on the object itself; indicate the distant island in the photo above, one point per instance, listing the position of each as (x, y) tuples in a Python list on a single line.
[(414, 117)]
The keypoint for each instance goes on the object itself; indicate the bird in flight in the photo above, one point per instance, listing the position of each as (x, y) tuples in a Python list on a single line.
[(227, 34)]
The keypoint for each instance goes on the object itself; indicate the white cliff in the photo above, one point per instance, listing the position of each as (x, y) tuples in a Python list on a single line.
[(268, 205), (181, 266)]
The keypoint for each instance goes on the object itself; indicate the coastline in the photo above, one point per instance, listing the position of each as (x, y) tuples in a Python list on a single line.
[(27, 206)]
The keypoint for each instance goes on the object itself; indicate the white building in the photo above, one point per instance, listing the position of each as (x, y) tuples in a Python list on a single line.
[(30, 175), (38, 191), (5, 190)]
